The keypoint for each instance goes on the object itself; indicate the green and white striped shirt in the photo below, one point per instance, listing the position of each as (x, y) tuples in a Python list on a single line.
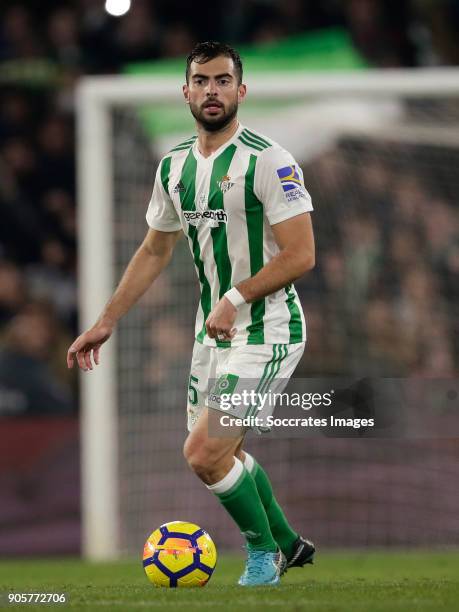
[(226, 204)]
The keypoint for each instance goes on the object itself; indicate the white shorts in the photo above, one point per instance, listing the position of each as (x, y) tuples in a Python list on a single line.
[(251, 367)]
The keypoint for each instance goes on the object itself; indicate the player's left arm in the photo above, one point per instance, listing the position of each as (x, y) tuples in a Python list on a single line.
[(279, 185), (295, 239)]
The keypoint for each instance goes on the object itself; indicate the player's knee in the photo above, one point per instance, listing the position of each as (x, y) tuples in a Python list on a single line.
[(189, 448), (200, 466), (198, 457), (200, 462), (192, 451)]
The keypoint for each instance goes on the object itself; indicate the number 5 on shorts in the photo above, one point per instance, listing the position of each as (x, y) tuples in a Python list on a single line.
[(192, 391)]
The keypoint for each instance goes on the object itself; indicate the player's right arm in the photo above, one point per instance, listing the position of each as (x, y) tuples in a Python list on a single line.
[(150, 259)]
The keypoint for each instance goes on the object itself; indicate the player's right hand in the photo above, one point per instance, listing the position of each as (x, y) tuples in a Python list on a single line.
[(87, 345)]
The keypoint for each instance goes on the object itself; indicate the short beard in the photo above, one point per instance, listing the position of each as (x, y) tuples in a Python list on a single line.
[(218, 124)]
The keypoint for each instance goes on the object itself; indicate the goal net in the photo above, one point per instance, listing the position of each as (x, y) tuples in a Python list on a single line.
[(380, 155)]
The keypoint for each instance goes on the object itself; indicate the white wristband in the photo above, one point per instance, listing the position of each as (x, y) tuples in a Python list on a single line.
[(235, 297)]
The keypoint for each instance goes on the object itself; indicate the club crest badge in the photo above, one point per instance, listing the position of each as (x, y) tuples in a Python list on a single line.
[(225, 183)]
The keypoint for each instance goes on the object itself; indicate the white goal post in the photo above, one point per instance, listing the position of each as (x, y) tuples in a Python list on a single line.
[(96, 99)]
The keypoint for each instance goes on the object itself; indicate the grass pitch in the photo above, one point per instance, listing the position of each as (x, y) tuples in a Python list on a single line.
[(338, 582)]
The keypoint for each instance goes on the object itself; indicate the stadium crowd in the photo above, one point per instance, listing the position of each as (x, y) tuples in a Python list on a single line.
[(384, 298), (380, 274)]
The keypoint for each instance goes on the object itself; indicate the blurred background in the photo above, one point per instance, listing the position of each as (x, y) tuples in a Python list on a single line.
[(384, 269)]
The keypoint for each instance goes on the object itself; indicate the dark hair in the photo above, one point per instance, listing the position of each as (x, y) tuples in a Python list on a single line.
[(205, 51)]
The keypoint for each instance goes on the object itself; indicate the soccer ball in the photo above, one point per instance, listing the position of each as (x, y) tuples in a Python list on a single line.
[(179, 554)]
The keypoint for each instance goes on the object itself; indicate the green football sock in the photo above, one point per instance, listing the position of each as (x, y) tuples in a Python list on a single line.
[(280, 528), (238, 493)]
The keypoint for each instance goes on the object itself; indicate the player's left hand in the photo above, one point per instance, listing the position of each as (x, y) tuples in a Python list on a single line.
[(219, 323)]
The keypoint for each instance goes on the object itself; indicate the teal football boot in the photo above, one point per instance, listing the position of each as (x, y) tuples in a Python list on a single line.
[(263, 568)]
